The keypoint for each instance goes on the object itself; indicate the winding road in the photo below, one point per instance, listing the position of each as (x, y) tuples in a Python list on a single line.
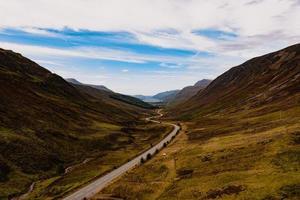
[(93, 188)]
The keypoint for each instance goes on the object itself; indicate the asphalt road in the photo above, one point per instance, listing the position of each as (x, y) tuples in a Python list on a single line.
[(93, 188)]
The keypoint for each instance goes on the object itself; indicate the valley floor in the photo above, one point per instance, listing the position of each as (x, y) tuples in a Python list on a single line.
[(244, 155)]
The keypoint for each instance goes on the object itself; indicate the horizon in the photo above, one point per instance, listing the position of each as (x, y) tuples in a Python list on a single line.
[(160, 46)]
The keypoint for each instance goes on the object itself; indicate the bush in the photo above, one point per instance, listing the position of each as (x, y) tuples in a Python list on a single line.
[(149, 156)]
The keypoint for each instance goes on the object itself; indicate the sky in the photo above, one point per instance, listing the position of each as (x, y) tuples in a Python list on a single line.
[(146, 46)]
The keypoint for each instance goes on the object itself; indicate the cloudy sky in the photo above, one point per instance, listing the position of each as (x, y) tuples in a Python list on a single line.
[(146, 46)]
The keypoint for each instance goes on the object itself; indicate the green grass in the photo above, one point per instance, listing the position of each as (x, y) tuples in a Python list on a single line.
[(107, 126), (245, 155)]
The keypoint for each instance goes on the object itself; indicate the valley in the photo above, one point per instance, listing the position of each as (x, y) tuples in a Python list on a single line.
[(62, 139), (150, 100)]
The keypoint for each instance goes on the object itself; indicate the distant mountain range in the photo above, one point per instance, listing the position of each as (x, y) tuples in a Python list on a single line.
[(174, 97), (160, 97)]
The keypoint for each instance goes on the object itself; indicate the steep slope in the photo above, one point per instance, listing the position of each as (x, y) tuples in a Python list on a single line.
[(188, 92), (47, 124), (272, 78)]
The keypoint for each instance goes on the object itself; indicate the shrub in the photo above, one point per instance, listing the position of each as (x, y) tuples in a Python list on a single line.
[(149, 156)]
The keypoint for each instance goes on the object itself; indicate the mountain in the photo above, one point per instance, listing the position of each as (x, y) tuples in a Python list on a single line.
[(160, 97), (47, 124), (148, 99), (99, 87), (272, 78), (105, 92), (189, 91)]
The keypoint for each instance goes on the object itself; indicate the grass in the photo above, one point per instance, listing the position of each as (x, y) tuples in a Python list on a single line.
[(58, 186), (245, 155), (110, 145)]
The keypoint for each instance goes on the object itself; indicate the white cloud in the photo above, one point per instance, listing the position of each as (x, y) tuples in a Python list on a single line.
[(125, 70), (37, 31), (261, 26), (163, 23), (171, 66), (248, 18), (86, 52)]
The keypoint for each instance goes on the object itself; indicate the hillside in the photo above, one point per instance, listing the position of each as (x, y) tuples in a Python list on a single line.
[(188, 92), (47, 125), (272, 78), (240, 139)]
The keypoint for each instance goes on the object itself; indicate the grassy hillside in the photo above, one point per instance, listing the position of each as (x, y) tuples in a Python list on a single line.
[(240, 139), (47, 125), (268, 79)]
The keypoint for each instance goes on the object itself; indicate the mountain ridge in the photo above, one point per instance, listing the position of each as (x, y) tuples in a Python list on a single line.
[(99, 87), (257, 81), (159, 97)]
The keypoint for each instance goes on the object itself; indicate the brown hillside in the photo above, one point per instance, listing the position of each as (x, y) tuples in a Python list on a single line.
[(274, 77)]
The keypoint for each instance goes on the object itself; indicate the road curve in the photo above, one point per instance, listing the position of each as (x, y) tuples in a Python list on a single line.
[(93, 188)]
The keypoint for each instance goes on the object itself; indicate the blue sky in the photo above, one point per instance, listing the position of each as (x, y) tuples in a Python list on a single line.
[(142, 46)]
